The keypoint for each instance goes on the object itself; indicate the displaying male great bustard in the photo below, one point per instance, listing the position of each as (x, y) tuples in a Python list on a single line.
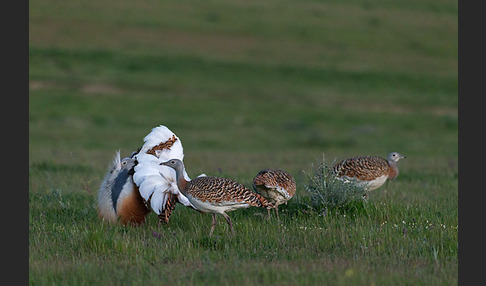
[(276, 186), (118, 196), (215, 195), (368, 172), (136, 184)]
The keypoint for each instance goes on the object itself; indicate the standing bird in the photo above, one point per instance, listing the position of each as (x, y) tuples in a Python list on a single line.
[(215, 195), (276, 186), (368, 172), (118, 196), (157, 184)]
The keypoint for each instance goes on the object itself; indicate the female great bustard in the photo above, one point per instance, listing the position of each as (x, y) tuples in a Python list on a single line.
[(368, 172), (277, 186), (215, 195)]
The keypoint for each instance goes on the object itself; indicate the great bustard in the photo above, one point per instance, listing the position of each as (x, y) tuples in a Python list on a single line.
[(215, 195), (276, 186), (368, 172), (118, 196)]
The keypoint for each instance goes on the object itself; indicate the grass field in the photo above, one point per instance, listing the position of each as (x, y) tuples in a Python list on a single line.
[(246, 85)]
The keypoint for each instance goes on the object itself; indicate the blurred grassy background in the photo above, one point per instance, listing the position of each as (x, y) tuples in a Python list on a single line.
[(364, 77), (246, 85)]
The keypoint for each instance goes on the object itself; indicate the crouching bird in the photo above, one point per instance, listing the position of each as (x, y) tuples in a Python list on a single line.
[(118, 197), (368, 172), (215, 195), (276, 186)]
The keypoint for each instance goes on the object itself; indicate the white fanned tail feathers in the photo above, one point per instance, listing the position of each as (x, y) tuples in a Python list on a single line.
[(156, 182), (105, 209), (116, 165)]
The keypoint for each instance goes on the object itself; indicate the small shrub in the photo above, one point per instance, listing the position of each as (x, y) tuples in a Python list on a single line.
[(326, 192)]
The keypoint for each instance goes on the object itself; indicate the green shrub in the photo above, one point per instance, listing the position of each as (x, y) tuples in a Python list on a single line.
[(326, 192)]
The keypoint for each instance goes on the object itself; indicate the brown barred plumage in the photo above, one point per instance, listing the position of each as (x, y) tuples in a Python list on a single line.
[(370, 172), (363, 167), (163, 145), (276, 186), (169, 207), (216, 195), (220, 190)]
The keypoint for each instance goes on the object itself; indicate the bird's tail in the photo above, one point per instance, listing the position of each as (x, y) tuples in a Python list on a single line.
[(116, 163)]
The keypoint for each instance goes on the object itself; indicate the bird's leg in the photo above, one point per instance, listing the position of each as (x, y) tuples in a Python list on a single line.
[(213, 225), (276, 212), (228, 220), (268, 212)]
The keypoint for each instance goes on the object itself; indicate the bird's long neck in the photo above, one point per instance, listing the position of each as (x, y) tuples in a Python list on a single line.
[(393, 173), (181, 181)]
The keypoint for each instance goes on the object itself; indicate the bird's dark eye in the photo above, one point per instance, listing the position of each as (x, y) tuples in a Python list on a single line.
[(124, 162)]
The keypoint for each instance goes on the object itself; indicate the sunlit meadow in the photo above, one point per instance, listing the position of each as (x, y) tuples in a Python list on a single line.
[(245, 85)]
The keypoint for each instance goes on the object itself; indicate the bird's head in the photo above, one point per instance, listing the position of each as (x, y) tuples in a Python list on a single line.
[(173, 163), (395, 156), (128, 163)]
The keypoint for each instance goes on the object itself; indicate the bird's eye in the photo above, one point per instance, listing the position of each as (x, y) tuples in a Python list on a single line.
[(124, 162)]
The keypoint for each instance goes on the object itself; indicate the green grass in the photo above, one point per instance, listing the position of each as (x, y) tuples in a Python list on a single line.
[(245, 85)]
